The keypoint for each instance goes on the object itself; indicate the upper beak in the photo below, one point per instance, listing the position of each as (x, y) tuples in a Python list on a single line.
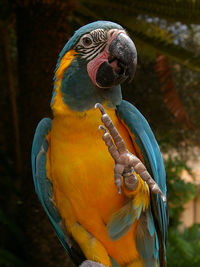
[(123, 55), (115, 63)]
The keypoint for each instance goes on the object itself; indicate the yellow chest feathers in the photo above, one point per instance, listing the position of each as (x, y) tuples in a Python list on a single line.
[(80, 160), (78, 134)]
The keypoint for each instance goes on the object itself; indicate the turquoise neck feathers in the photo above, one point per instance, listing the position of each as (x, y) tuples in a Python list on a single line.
[(80, 94)]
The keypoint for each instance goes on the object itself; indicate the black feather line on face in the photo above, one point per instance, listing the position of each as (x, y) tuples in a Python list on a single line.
[(99, 38), (91, 53), (99, 35)]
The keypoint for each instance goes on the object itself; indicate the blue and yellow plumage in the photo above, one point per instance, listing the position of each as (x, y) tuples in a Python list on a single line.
[(72, 169)]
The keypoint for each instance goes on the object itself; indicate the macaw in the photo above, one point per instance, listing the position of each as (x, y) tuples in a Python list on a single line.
[(112, 212)]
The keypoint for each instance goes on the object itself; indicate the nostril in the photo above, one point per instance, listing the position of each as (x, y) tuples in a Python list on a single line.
[(111, 32)]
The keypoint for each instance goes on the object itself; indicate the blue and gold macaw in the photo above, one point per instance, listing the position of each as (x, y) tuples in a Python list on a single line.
[(73, 171)]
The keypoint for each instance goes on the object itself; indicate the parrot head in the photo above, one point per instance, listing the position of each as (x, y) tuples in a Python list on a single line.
[(92, 65)]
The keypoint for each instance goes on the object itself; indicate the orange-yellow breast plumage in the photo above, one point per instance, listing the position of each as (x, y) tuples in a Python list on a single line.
[(83, 177)]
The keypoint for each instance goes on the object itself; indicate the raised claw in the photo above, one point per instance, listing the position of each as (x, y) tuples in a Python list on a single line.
[(101, 108), (125, 162)]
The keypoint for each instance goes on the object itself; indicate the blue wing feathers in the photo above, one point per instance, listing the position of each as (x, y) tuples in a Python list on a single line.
[(43, 186), (41, 131), (150, 150), (150, 224), (121, 221), (145, 140), (114, 263), (155, 253), (146, 239)]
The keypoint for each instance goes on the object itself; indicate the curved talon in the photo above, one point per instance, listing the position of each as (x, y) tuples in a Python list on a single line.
[(103, 128), (101, 108), (164, 199), (118, 184), (119, 190)]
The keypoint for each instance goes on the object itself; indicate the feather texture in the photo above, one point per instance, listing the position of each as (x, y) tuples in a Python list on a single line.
[(43, 186), (121, 221), (143, 136)]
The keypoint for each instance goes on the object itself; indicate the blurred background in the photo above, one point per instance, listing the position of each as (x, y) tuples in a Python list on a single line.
[(166, 89)]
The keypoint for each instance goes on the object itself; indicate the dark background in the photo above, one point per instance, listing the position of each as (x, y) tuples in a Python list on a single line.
[(165, 89)]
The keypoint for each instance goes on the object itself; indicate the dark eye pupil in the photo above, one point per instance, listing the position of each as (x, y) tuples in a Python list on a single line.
[(87, 41)]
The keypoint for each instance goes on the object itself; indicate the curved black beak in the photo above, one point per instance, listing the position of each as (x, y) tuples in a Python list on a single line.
[(124, 51), (121, 64)]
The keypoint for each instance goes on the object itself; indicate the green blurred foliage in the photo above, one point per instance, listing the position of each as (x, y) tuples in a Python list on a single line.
[(179, 191), (183, 246)]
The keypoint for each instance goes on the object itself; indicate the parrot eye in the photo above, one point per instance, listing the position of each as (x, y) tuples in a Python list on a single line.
[(86, 41), (91, 44)]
